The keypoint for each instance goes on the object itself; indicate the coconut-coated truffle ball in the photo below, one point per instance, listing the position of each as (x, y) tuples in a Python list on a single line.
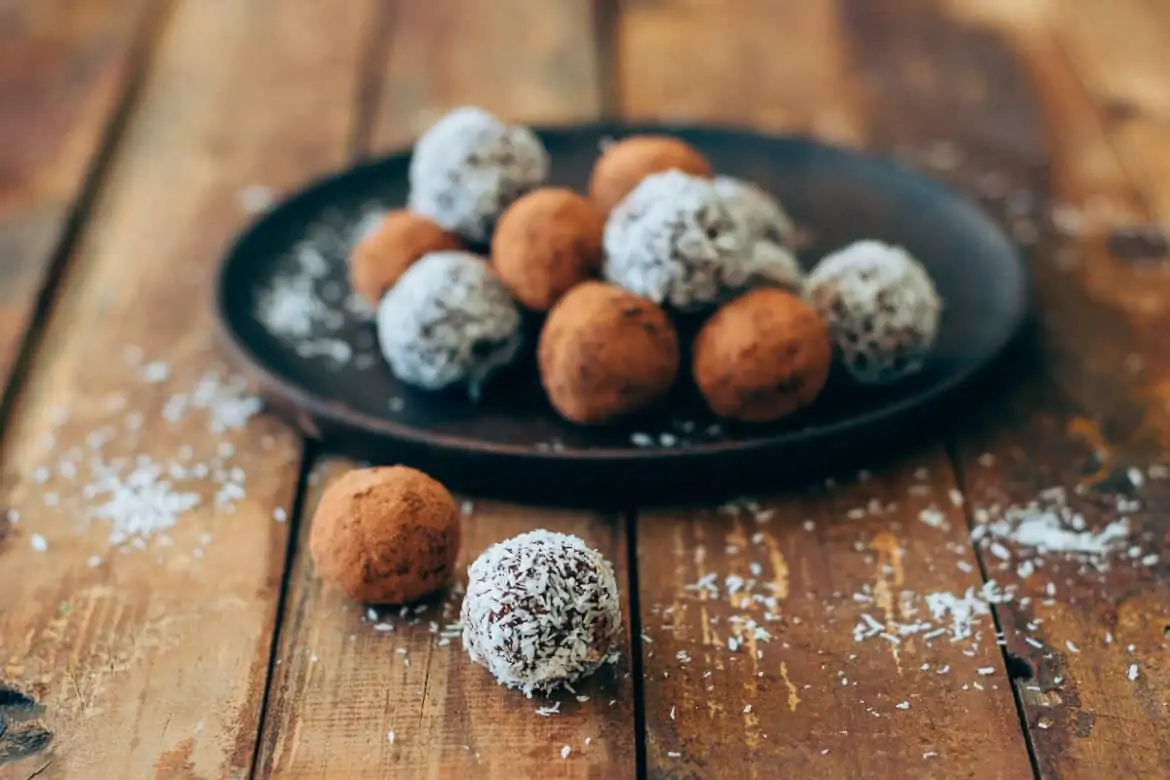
[(469, 166), (605, 353), (542, 610), (762, 356), (882, 309), (623, 165), (763, 215), (546, 243), (393, 245), (385, 535), (674, 240), (448, 321)]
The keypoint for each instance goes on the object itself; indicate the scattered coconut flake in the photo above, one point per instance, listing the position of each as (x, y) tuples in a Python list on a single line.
[(1071, 647), (565, 751), (39, 543), (1132, 674), (903, 705), (390, 736), (985, 671)]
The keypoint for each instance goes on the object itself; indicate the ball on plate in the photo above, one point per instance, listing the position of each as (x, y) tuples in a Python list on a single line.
[(623, 164), (449, 321), (675, 241), (546, 243), (469, 166), (385, 535), (542, 610), (384, 253), (882, 309), (605, 353), (762, 356), (762, 213)]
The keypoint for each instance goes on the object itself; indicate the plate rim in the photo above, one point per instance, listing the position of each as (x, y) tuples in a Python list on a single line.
[(273, 386)]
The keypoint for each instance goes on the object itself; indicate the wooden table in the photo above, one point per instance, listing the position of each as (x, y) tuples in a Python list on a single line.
[(135, 137)]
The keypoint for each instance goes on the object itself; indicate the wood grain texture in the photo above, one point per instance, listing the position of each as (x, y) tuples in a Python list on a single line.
[(526, 60), (65, 67), (347, 677), (151, 659), (826, 694), (1091, 419)]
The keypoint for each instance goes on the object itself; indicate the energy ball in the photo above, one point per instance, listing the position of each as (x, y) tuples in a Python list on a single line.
[(882, 309), (604, 353), (385, 535), (382, 255), (675, 241), (542, 610), (469, 166), (765, 218), (770, 264), (762, 356), (623, 165), (448, 321), (546, 243)]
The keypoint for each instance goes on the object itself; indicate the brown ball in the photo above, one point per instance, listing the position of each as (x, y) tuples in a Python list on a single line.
[(384, 254), (624, 164), (546, 243), (605, 352), (385, 535), (762, 356)]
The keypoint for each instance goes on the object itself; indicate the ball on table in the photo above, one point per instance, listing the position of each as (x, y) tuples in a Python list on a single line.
[(762, 356), (605, 352), (881, 307), (542, 610), (385, 535), (449, 321), (382, 255), (469, 166), (623, 164), (546, 243)]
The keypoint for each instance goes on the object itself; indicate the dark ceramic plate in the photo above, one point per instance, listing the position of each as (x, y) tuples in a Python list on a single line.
[(287, 314)]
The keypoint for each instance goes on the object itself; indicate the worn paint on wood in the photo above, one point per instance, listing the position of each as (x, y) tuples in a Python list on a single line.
[(153, 659)]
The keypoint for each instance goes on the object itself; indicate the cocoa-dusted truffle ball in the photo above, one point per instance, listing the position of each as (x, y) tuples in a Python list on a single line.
[(762, 214), (393, 245), (762, 356), (542, 610), (469, 166), (623, 165), (448, 321), (674, 240), (547, 242), (605, 353), (882, 309), (385, 535)]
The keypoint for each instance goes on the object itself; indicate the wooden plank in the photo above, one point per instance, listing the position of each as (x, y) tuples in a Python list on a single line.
[(65, 68), (347, 677), (150, 657), (526, 60), (1089, 427), (820, 690)]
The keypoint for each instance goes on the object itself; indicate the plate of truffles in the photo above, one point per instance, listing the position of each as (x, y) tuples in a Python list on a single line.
[(613, 312)]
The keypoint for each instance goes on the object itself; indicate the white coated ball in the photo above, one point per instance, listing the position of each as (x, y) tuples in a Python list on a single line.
[(881, 307), (673, 240), (448, 320), (542, 610), (469, 166)]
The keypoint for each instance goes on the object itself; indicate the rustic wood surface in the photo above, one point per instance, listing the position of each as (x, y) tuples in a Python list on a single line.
[(783, 635)]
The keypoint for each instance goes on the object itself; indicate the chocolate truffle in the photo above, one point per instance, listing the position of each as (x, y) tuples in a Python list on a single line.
[(881, 307), (541, 611), (546, 243), (623, 164), (674, 240), (762, 356), (605, 353), (385, 535), (448, 321), (469, 166), (393, 245), (762, 214)]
